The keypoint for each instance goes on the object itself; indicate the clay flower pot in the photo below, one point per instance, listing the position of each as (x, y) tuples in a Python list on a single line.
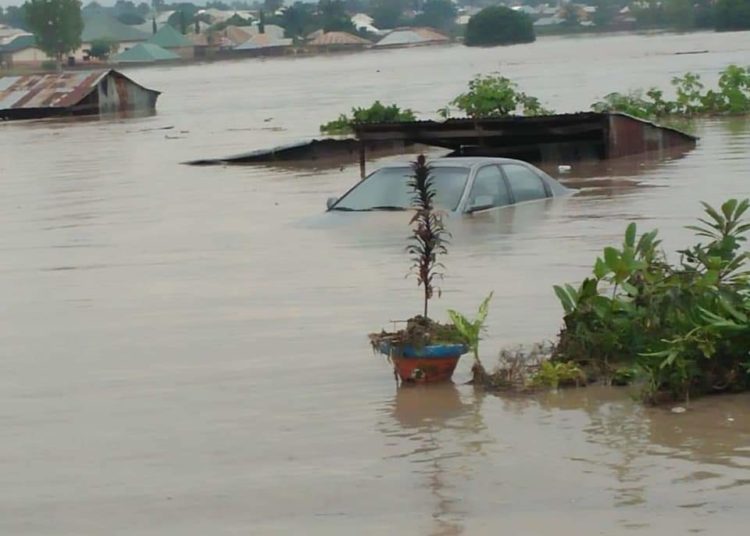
[(426, 364)]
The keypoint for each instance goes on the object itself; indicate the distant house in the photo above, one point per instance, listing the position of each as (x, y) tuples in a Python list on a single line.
[(546, 22), (101, 26), (8, 33), (276, 32), (339, 41), (170, 39), (263, 41), (22, 52), (410, 37), (236, 34), (145, 53), (72, 93)]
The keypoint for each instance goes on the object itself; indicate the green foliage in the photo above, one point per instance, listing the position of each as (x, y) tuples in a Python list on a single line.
[(556, 373), (499, 25), (494, 96), (101, 48), (429, 237), (685, 326), (440, 14), (387, 14), (333, 16), (299, 20), (471, 330), (731, 96), (377, 113), (56, 24), (732, 15)]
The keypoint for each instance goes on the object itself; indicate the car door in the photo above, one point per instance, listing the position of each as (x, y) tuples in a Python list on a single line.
[(525, 185), (489, 190)]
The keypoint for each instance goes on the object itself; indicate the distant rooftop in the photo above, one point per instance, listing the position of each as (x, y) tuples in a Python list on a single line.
[(144, 53)]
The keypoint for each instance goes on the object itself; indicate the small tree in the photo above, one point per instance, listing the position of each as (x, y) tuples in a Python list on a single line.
[(494, 96), (102, 48), (56, 24), (499, 25), (428, 238)]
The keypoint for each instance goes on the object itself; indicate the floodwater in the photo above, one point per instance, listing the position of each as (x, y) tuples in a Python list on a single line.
[(183, 350)]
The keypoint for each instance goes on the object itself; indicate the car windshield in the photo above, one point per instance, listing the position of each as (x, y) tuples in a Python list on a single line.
[(388, 189)]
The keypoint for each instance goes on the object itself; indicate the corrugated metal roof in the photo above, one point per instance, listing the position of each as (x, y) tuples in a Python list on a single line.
[(338, 38), (263, 41), (236, 34), (57, 90), (411, 36), (53, 90)]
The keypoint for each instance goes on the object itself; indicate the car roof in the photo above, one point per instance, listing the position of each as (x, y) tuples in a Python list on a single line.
[(461, 161)]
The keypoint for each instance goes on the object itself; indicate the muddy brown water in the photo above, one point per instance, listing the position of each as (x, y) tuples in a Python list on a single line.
[(183, 350)]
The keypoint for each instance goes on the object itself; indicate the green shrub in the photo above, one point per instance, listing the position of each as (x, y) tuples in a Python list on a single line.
[(494, 96), (556, 373), (685, 325), (731, 96), (377, 113), (499, 25)]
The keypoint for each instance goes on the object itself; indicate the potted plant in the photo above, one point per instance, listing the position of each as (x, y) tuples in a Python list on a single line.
[(425, 350)]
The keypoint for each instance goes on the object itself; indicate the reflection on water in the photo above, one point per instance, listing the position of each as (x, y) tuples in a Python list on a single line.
[(428, 417)]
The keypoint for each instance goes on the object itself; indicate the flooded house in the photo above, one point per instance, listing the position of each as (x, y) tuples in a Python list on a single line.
[(170, 39), (412, 37), (145, 53), (22, 51), (38, 96), (338, 41)]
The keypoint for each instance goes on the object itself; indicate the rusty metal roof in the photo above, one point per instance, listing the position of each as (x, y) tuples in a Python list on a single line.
[(338, 38), (53, 90)]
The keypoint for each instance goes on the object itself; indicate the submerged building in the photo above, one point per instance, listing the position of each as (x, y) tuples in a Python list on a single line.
[(72, 93)]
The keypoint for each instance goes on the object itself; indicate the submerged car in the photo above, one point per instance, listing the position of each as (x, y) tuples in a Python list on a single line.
[(462, 184)]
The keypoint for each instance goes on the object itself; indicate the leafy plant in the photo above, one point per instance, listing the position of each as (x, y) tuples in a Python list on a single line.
[(470, 330), (555, 373), (683, 325), (732, 96), (429, 237), (377, 113), (494, 96)]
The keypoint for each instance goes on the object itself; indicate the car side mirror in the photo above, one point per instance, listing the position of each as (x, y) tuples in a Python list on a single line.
[(481, 202), (330, 202)]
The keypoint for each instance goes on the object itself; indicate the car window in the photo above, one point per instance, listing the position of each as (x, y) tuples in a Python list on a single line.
[(489, 189), (389, 188), (524, 183)]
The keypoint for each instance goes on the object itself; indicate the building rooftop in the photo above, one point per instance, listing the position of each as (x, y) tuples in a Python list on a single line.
[(144, 53)]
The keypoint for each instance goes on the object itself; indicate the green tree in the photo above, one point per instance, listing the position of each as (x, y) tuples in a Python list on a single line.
[(299, 20), (334, 17), (272, 6), (102, 48), (494, 96), (679, 14), (15, 17), (56, 24), (387, 13), (440, 14), (605, 13), (732, 15), (499, 25)]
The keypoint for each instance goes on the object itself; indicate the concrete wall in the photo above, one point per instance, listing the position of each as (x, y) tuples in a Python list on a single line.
[(30, 57)]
